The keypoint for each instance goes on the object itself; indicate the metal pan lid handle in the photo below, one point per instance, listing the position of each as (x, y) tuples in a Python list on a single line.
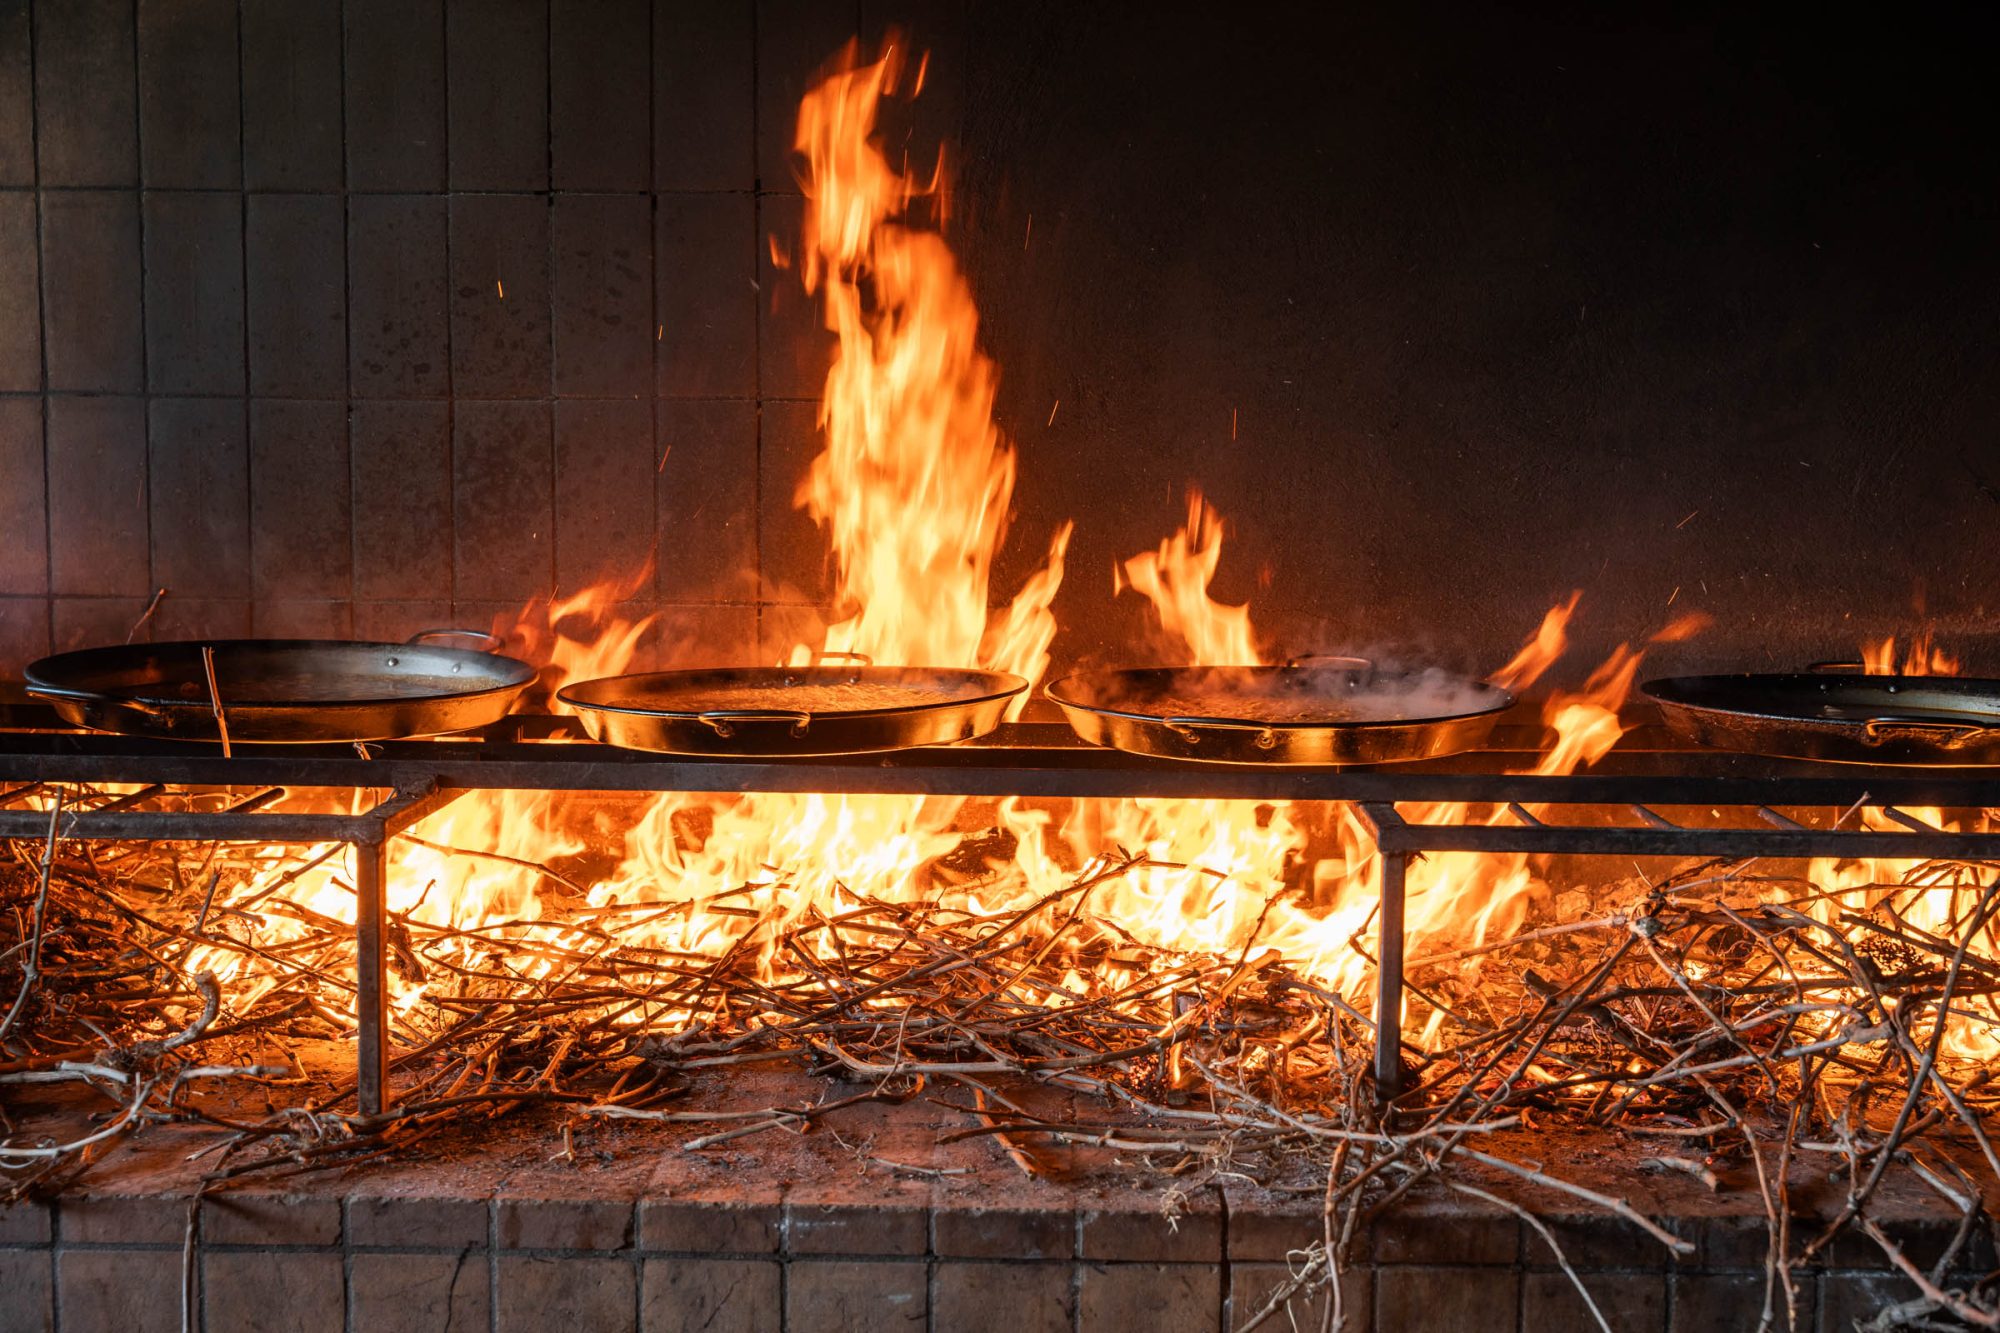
[(723, 720), (488, 642), (1189, 729)]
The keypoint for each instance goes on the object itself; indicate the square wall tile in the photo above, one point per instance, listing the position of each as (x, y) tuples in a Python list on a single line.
[(17, 104), (190, 115), (399, 334), (604, 327), (400, 454), (20, 294), (604, 475), (502, 502), (194, 292), (291, 95), (500, 295), (395, 114), (497, 91), (600, 94), (199, 466), (92, 339), (24, 531), (97, 482), (86, 93), (703, 95)]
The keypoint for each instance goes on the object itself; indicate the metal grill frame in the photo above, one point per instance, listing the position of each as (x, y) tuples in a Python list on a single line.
[(1031, 759)]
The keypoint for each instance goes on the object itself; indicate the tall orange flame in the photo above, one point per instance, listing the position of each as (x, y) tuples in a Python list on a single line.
[(914, 484)]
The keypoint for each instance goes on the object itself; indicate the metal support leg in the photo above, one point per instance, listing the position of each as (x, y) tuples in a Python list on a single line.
[(371, 959), (1389, 980), (371, 943)]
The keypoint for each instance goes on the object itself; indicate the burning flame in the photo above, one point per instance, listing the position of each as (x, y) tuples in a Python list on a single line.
[(913, 490), (1922, 658), (1175, 580), (914, 485), (1924, 901)]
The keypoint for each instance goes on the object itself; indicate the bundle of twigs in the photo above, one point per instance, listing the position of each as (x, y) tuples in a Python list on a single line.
[(1714, 1013)]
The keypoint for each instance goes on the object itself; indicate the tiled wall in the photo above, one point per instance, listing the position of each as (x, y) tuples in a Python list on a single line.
[(353, 316)]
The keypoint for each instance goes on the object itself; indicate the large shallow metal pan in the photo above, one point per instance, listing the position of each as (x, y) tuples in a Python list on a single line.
[(1336, 711), (1852, 719), (283, 689), (793, 711)]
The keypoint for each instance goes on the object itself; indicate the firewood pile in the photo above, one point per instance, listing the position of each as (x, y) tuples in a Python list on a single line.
[(1728, 1019)]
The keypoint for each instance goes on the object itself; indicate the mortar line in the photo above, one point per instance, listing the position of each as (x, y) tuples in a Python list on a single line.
[(243, 278), (653, 362), (757, 328), (554, 568), (784, 1265), (1223, 1276), (42, 350), (145, 349), (1076, 1269), (347, 1267), (347, 325), (493, 1258), (450, 346)]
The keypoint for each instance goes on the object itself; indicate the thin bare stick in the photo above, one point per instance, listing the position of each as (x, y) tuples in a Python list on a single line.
[(215, 697)]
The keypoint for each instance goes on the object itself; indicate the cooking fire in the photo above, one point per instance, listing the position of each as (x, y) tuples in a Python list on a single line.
[(1341, 922)]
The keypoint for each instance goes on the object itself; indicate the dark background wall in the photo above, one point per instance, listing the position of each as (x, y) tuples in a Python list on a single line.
[(352, 316)]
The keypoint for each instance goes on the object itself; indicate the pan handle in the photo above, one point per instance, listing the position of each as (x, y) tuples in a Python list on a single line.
[(1845, 667), (1947, 733), (825, 654), (1189, 729), (488, 642), (1338, 661), (723, 720), (91, 696)]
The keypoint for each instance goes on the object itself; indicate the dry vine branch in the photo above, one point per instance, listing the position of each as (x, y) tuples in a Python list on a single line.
[(1739, 1022)]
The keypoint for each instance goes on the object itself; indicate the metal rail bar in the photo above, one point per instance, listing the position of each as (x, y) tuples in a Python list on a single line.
[(191, 826), (1024, 760), (1623, 840)]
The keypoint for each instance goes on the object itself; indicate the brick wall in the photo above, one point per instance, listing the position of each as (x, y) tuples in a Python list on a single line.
[(354, 316), (657, 1256)]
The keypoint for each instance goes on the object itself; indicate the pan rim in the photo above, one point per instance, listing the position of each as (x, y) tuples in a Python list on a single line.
[(1504, 699), (571, 694), (1664, 690), (520, 675)]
